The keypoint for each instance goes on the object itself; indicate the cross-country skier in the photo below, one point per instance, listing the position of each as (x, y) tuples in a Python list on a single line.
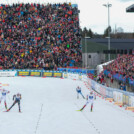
[(78, 89), (16, 99), (3, 97), (90, 99)]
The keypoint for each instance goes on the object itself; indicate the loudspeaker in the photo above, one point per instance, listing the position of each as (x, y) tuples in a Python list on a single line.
[(130, 51), (125, 51), (112, 51), (108, 51), (121, 52), (118, 51), (104, 51)]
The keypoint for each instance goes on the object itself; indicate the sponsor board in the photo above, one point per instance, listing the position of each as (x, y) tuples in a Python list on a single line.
[(118, 103), (23, 73), (35, 73), (65, 75), (47, 74), (5, 84), (118, 97), (102, 90), (89, 82), (97, 88), (109, 99), (59, 75), (84, 78), (73, 76), (125, 99), (8, 74), (130, 108), (80, 77), (131, 101)]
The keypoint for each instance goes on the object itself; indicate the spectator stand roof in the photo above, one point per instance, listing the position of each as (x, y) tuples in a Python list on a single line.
[(130, 8)]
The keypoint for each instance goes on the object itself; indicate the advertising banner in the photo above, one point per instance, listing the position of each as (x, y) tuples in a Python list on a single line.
[(57, 74), (8, 74), (126, 99), (65, 75), (131, 101), (23, 73), (117, 96), (80, 76), (97, 88), (108, 92), (73, 76), (102, 90), (47, 74), (84, 78), (35, 73)]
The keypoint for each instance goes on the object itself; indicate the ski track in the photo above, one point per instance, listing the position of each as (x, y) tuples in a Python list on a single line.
[(49, 107)]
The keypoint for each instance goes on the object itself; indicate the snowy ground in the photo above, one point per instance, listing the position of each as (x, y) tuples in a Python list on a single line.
[(49, 107)]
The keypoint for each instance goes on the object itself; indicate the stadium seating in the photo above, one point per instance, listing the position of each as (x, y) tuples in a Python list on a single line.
[(39, 36), (121, 69)]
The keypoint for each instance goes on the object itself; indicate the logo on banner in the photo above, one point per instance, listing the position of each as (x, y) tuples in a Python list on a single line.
[(35, 73), (65, 75), (48, 74), (80, 77), (57, 74), (23, 73)]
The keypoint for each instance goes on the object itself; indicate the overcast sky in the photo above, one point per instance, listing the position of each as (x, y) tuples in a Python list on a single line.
[(95, 16)]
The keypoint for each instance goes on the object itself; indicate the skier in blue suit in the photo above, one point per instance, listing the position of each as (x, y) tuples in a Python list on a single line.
[(78, 89)]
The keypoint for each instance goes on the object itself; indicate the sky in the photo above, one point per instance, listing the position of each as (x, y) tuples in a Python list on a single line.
[(94, 15)]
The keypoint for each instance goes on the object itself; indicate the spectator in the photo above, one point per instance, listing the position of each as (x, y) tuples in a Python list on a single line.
[(121, 69), (39, 36)]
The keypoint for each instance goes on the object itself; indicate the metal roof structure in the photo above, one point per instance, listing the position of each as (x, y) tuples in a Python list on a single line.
[(130, 8), (115, 43)]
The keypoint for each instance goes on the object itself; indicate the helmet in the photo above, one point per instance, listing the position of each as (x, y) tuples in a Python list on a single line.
[(91, 92), (18, 94)]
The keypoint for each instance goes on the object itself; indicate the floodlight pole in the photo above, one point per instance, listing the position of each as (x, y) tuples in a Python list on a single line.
[(108, 6), (86, 52)]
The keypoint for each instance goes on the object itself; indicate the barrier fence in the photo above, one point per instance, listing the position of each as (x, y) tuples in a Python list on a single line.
[(127, 98), (120, 77)]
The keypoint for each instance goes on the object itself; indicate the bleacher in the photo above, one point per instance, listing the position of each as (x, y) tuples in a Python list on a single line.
[(37, 36), (121, 69)]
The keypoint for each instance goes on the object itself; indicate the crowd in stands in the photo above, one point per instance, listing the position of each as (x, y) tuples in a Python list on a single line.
[(36, 36), (121, 69)]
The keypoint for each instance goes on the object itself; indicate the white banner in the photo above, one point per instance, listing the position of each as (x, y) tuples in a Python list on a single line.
[(73, 76), (8, 73), (117, 96), (131, 103)]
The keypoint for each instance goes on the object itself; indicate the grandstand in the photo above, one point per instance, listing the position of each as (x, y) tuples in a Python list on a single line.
[(39, 36), (121, 69)]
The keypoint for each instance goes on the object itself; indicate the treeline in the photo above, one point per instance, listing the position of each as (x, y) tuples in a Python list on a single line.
[(118, 33)]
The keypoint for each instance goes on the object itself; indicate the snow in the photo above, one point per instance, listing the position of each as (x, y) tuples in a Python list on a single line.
[(49, 107)]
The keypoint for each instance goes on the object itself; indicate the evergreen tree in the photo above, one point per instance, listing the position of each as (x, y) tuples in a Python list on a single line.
[(106, 31)]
